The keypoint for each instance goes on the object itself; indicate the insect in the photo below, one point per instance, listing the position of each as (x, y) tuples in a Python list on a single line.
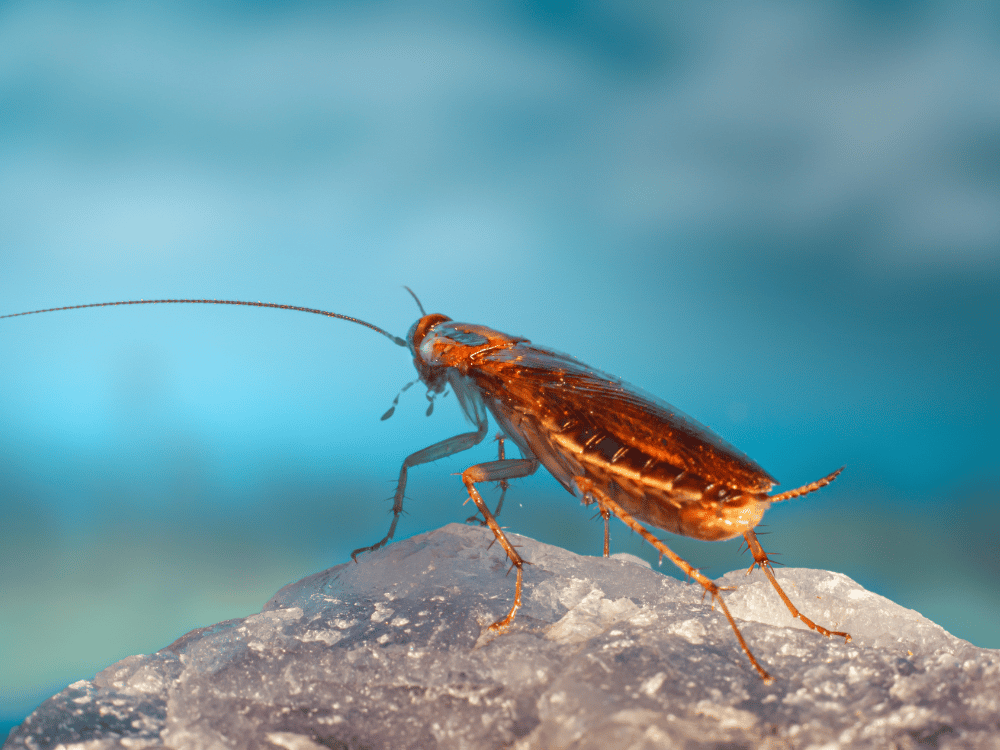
[(638, 458)]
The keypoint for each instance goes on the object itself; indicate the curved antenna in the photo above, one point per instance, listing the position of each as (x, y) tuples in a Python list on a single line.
[(395, 339), (416, 299)]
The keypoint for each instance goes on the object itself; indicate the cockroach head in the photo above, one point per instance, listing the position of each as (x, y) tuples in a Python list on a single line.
[(421, 328), (432, 377)]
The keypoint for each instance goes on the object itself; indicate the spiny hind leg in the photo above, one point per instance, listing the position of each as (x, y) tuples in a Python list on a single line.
[(455, 444), (494, 471), (761, 559), (587, 487)]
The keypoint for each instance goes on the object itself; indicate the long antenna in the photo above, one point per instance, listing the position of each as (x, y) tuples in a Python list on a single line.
[(416, 299), (395, 339)]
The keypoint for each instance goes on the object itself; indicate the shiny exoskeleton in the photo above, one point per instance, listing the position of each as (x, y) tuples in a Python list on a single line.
[(605, 441), (608, 442)]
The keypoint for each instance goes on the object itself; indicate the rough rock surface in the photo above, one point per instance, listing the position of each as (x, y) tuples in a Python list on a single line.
[(394, 652)]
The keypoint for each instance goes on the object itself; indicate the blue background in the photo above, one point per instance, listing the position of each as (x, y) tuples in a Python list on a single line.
[(782, 218)]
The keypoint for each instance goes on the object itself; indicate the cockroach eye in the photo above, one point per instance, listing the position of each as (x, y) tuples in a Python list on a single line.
[(410, 336)]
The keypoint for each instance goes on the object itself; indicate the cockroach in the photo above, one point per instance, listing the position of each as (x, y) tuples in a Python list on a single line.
[(637, 457)]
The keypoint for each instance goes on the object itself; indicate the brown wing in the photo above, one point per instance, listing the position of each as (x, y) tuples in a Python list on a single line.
[(612, 416)]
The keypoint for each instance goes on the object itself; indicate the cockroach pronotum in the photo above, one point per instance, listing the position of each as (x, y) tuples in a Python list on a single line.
[(605, 441)]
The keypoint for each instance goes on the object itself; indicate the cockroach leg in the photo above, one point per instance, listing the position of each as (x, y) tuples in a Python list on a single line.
[(606, 514), (494, 471), (588, 487), (445, 448), (504, 484), (761, 560)]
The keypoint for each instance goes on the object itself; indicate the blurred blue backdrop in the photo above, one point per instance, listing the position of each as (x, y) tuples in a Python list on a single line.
[(782, 218)]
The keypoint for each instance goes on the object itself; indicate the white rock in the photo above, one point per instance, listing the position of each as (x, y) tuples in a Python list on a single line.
[(394, 652)]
